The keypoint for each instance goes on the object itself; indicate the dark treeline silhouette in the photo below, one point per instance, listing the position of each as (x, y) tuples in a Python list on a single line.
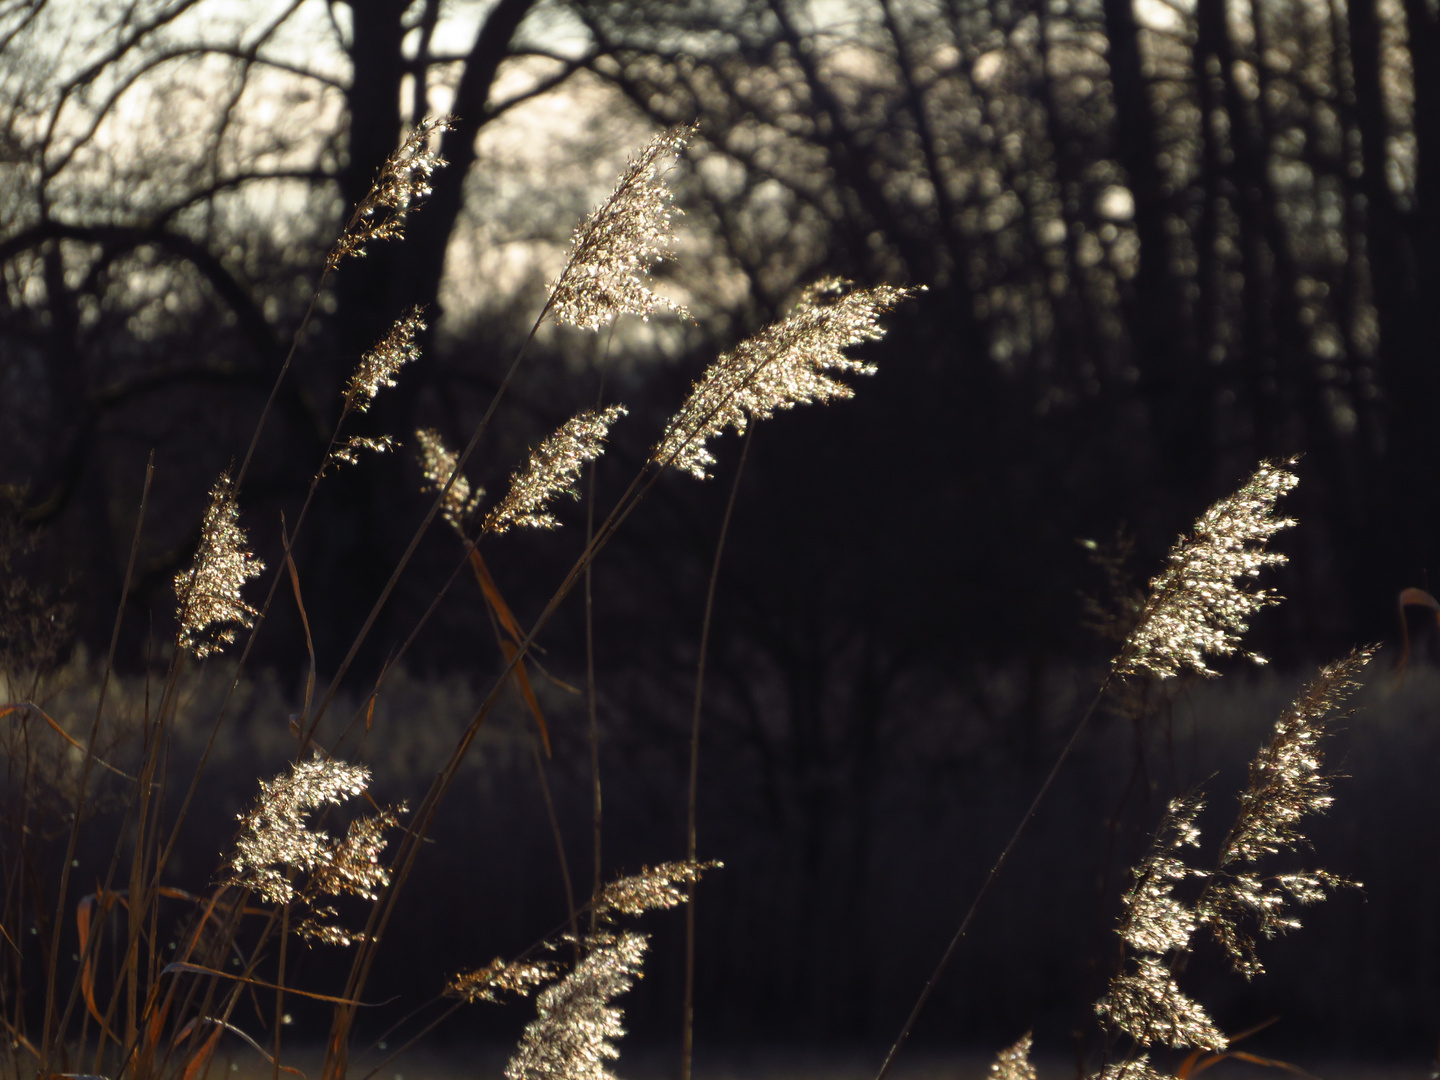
[(1160, 244)]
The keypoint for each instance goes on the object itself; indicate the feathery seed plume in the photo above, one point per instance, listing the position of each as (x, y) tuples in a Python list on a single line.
[(652, 889), (402, 180), (500, 978), (1154, 920), (275, 834), (1014, 1063), (1286, 785), (571, 1036), (1139, 1069), (613, 249), (553, 469), (209, 606), (438, 464), (348, 452), (782, 366), (379, 367), (1149, 1006), (285, 860), (1199, 604)]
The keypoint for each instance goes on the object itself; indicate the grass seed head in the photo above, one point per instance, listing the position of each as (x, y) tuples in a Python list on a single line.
[(438, 464), (379, 367), (1148, 1005), (1014, 1062), (553, 469), (573, 1034), (501, 979), (614, 248), (1199, 605), (1138, 1069), (1154, 920), (654, 888), (403, 180), (782, 366), (208, 602)]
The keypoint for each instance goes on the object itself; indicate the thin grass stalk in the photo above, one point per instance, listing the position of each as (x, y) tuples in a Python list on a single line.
[(280, 992), (139, 899), (559, 843), (687, 1023), (288, 541), (241, 981), (364, 632), (597, 811), (88, 764), (280, 377), (592, 705), (418, 827), (419, 824), (989, 882)]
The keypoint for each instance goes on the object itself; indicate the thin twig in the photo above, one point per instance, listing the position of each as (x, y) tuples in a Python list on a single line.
[(559, 843), (591, 697), (930, 983), (687, 1024), (85, 768)]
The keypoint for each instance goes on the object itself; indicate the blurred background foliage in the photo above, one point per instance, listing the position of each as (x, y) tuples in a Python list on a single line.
[(1161, 238)]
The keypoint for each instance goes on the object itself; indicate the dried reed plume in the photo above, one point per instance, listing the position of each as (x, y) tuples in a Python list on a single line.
[(1154, 920), (654, 888), (1145, 1001), (1286, 785), (208, 603), (500, 979), (572, 1036), (438, 464), (552, 470), (1149, 1006), (1199, 604), (282, 858), (782, 366), (402, 180), (1138, 1069), (348, 452), (614, 248), (1014, 1063), (379, 367)]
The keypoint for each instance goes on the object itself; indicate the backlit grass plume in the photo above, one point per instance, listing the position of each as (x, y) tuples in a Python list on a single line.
[(1235, 903), (572, 1037), (1014, 1062), (1286, 785), (209, 605), (500, 979), (552, 470), (1147, 1004), (1138, 1069), (654, 888), (1199, 605), (284, 859), (437, 463), (784, 365), (379, 367), (1144, 1000), (402, 180), (614, 248), (1153, 920)]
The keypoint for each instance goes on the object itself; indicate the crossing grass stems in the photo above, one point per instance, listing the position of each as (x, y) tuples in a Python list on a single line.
[(148, 1012)]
